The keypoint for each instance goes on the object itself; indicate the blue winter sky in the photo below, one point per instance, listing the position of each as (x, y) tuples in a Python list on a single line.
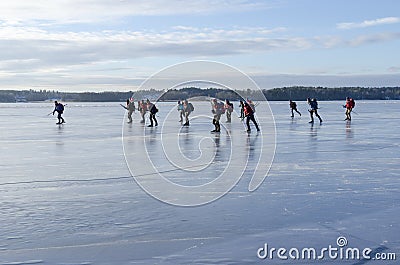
[(102, 45)]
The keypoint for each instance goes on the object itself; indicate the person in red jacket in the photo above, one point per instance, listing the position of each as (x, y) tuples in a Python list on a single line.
[(249, 114), (350, 104)]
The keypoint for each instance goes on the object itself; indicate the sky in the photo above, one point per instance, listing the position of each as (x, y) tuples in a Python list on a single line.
[(114, 45)]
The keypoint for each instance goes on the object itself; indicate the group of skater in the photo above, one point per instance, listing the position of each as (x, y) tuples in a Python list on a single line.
[(313, 103), (143, 106), (218, 108), (185, 108), (247, 110)]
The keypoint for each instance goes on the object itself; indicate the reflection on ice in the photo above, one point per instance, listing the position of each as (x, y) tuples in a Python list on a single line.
[(190, 165)]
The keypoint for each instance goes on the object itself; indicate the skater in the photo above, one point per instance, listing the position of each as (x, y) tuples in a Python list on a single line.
[(130, 107), (350, 104), (217, 109), (252, 105), (314, 109), (241, 105), (228, 110), (180, 110), (60, 110), (142, 107), (249, 114), (187, 109), (139, 108), (153, 110), (293, 107)]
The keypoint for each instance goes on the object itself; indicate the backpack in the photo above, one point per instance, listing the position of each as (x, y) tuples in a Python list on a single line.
[(248, 110), (230, 106), (253, 107), (191, 107), (352, 103), (220, 108), (314, 104), (153, 109), (60, 107)]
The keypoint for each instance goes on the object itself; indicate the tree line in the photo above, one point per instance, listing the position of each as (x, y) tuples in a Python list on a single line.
[(276, 94), (50, 95)]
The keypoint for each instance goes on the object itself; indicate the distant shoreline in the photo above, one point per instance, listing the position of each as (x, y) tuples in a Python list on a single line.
[(276, 94)]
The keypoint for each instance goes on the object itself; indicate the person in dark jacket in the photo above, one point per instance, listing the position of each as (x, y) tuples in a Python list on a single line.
[(217, 109), (59, 108), (153, 110), (249, 114), (293, 107), (313, 109)]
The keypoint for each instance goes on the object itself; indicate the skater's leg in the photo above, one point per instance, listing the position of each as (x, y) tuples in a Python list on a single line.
[(317, 115), (218, 126), (311, 116), (155, 120), (248, 123), (214, 122), (151, 120), (129, 116), (228, 116), (187, 118), (255, 123)]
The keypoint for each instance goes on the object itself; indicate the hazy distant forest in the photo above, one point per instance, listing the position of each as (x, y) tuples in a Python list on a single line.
[(276, 94)]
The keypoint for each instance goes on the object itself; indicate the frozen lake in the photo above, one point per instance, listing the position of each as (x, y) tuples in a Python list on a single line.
[(68, 197)]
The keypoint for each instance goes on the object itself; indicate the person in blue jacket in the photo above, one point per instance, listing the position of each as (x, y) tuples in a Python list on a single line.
[(313, 109), (59, 108)]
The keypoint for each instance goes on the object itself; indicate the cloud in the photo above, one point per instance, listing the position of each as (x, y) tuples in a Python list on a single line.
[(368, 23), (100, 10), (40, 50), (64, 48), (32, 55), (374, 38), (36, 56), (394, 69), (329, 42)]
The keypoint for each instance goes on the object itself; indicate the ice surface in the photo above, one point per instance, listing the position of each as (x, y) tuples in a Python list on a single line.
[(67, 196), (206, 164)]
